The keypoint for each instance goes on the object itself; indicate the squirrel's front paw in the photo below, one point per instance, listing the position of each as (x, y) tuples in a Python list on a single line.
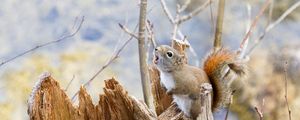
[(194, 96)]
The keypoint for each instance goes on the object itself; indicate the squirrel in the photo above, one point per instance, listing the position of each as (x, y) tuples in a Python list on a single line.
[(183, 81)]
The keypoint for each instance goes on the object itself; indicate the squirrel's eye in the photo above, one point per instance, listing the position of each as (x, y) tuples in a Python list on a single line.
[(170, 54)]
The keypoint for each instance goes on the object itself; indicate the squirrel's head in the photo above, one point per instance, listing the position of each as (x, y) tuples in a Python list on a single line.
[(167, 58)]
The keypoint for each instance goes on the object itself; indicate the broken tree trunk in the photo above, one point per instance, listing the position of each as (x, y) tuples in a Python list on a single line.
[(49, 102)]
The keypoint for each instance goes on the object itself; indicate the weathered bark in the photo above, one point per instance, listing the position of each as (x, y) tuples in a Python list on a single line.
[(206, 99), (161, 100), (49, 102), (142, 53), (219, 26), (172, 113)]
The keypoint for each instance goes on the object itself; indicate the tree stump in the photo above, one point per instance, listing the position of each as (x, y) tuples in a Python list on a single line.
[(49, 102)]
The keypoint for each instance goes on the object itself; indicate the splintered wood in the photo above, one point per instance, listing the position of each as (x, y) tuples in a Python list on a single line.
[(161, 100), (49, 102)]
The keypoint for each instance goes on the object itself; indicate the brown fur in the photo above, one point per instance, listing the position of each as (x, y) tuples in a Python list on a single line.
[(188, 79), (213, 66)]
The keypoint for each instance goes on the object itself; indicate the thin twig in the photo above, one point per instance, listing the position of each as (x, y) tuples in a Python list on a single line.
[(44, 44), (115, 55), (75, 21), (230, 102), (194, 13), (253, 25), (176, 25), (128, 31), (108, 62), (167, 11), (212, 19), (286, 91), (149, 27), (272, 25), (185, 5), (248, 25), (219, 25), (179, 19), (259, 113), (70, 83), (270, 12)]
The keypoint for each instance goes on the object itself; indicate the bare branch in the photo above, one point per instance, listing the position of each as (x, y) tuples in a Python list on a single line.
[(259, 113), (212, 19), (179, 19), (286, 91), (272, 25), (112, 58), (149, 27), (142, 53), (253, 25), (248, 25), (167, 11), (231, 100), (184, 6), (128, 31), (176, 25), (44, 44), (219, 25), (194, 13), (284, 15), (108, 62), (70, 83), (270, 12)]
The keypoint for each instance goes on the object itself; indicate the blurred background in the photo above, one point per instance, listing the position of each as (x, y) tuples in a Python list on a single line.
[(26, 24)]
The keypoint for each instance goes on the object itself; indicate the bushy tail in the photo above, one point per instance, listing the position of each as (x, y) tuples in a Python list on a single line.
[(221, 67)]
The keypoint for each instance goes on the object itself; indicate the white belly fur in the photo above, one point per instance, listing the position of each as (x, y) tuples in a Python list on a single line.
[(184, 103), (167, 80)]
